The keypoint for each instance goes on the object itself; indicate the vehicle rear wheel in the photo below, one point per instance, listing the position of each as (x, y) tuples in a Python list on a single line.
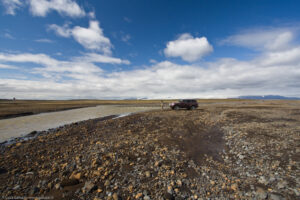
[(176, 108), (193, 108)]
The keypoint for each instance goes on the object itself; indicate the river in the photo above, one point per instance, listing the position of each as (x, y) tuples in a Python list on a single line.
[(20, 126)]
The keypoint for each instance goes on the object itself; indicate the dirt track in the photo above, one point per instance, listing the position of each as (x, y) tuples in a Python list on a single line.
[(217, 151)]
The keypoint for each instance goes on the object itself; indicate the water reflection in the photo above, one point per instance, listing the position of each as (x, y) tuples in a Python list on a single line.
[(19, 126)]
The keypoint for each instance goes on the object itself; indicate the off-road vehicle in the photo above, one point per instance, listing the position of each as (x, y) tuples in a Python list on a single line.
[(189, 104)]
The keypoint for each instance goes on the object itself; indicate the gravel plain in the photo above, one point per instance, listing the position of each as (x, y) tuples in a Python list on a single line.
[(226, 151)]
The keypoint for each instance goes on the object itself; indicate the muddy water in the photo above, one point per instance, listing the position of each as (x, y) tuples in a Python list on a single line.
[(15, 127)]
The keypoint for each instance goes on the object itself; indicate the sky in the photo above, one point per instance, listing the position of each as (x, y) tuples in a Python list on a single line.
[(120, 49)]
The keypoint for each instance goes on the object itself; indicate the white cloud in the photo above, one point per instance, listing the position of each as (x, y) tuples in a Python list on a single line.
[(63, 31), (27, 57), (11, 6), (263, 39), (270, 72), (98, 58), (44, 40), (90, 38), (126, 19), (188, 48), (82, 67), (153, 61), (63, 7), (125, 38), (92, 15), (8, 36), (3, 66), (227, 77)]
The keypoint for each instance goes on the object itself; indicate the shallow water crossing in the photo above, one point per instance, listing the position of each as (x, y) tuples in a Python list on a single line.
[(16, 127)]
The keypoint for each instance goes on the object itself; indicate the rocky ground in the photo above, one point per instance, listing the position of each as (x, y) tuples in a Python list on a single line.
[(215, 152)]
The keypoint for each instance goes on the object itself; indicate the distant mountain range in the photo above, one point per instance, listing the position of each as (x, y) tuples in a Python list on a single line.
[(269, 97)]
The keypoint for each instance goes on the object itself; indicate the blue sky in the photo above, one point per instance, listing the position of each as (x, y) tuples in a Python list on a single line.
[(62, 49)]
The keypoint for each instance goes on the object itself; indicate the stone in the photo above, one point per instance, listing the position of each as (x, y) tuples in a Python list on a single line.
[(57, 186), (115, 196), (18, 144), (168, 196), (89, 187), (107, 183), (130, 188), (49, 185), (34, 190), (148, 174), (275, 197), (281, 184), (69, 182), (139, 195), (76, 176), (16, 187), (263, 180), (179, 183), (99, 190), (261, 193), (234, 187), (147, 197), (170, 189)]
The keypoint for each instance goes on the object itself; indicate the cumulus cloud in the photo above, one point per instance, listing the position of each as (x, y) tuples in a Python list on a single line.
[(227, 77), (188, 48), (79, 68), (11, 6), (90, 38), (63, 7), (272, 71), (42, 7), (262, 39)]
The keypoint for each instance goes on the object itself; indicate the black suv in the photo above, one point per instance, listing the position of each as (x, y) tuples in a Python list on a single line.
[(189, 104)]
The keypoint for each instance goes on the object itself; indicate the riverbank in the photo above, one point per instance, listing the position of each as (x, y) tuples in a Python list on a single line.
[(19, 108), (216, 151), (19, 126)]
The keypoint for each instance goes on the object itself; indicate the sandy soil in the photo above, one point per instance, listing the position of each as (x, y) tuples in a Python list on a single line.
[(224, 151)]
